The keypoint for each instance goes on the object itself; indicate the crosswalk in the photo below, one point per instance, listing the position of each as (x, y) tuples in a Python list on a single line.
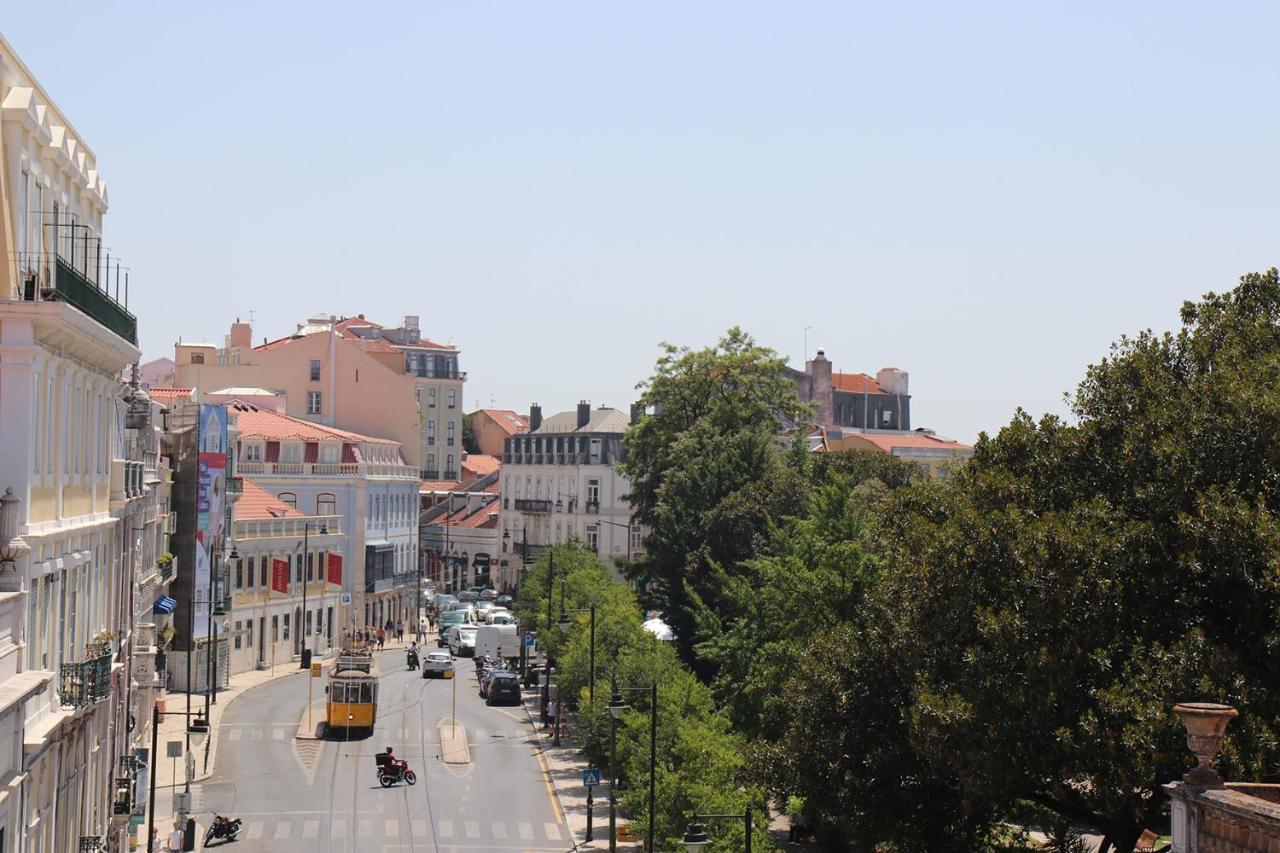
[(389, 829), (255, 734)]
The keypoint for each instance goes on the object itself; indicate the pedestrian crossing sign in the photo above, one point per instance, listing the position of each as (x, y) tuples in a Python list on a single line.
[(591, 777)]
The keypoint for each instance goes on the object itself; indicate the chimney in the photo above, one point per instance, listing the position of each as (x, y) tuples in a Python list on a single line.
[(241, 335), (584, 413), (892, 380), (535, 417), (637, 412)]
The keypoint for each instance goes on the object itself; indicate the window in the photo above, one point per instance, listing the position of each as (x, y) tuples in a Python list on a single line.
[(449, 441), (315, 370), (252, 453), (453, 398), (417, 396), (286, 626), (298, 568), (262, 578), (290, 498), (239, 628), (239, 574), (637, 540), (593, 537), (275, 627), (248, 633), (431, 464), (595, 451), (326, 504), (449, 472), (197, 358), (431, 398), (593, 492), (886, 417), (313, 402), (431, 432), (253, 570)]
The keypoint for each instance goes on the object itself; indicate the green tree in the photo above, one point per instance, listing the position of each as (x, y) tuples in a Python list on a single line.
[(716, 417), (469, 436)]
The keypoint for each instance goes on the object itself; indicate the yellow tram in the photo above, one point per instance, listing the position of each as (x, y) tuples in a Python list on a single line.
[(352, 701)]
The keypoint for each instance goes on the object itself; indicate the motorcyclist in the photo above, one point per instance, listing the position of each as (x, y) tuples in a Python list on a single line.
[(393, 762)]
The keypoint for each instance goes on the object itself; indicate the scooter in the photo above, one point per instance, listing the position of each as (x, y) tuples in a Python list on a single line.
[(411, 657), (222, 828)]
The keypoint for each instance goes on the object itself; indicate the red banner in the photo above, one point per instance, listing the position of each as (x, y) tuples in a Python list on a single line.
[(335, 568), (279, 575)]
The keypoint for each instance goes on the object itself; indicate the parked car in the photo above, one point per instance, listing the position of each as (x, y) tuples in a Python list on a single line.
[(499, 616), (450, 620), (503, 686), (504, 601), (488, 594), (462, 640), (468, 595), (437, 665), (441, 601), (483, 607)]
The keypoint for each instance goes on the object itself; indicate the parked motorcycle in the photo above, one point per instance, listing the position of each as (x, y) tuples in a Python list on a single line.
[(222, 828)]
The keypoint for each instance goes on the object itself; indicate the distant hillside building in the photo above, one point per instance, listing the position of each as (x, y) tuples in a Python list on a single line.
[(854, 400), (492, 428)]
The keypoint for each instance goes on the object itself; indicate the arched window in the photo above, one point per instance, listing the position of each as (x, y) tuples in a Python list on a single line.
[(290, 498), (326, 504)]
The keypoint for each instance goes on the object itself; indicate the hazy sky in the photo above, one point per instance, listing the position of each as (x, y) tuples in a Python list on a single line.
[(985, 195)]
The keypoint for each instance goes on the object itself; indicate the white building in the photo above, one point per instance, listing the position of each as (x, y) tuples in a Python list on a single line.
[(560, 481), (324, 472), (263, 621), (83, 517)]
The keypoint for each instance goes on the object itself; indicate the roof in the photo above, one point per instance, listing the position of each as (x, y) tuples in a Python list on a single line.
[(346, 328), (507, 420), (602, 420), (888, 442), (855, 383), (252, 422), (480, 465), (169, 395), (256, 502), (471, 519), (426, 487), (246, 391), (278, 343)]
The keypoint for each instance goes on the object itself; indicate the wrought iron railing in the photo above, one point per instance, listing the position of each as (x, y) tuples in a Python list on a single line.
[(532, 505), (88, 681), (72, 287)]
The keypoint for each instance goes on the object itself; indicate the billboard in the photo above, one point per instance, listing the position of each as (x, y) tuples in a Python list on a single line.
[(334, 568), (279, 575), (211, 493)]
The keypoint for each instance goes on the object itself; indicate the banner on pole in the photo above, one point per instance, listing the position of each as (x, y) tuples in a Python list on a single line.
[(211, 488), (335, 568)]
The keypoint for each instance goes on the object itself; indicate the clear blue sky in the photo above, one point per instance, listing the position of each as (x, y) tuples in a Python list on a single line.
[(985, 195)]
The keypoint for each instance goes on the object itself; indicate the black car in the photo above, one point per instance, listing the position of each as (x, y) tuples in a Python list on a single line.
[(503, 601), (502, 686)]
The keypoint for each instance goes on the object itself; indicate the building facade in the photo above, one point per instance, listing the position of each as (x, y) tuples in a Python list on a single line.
[(937, 456), (325, 472), (853, 401), (492, 428), (560, 481), (461, 542)]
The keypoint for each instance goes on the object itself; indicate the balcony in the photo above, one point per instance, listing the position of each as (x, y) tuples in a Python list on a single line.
[(327, 469), (71, 286), (531, 505), (81, 684), (592, 508)]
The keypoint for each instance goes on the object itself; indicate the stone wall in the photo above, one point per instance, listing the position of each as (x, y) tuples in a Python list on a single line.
[(1236, 818)]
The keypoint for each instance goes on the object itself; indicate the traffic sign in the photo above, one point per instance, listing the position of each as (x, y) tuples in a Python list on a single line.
[(173, 748), (315, 670), (346, 599), (528, 639), (591, 777)]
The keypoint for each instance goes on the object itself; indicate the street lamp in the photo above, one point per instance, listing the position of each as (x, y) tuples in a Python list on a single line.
[(305, 662), (546, 681), (695, 835), (617, 707)]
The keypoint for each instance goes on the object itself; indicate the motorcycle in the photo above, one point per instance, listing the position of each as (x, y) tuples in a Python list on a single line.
[(222, 828), (389, 774), (411, 657)]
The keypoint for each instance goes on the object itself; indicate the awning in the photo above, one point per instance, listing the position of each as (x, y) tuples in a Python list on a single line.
[(165, 604)]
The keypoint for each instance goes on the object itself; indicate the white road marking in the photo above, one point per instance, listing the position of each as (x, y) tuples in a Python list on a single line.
[(234, 734), (552, 830), (277, 734), (526, 831), (419, 829), (255, 734), (499, 829), (283, 828), (254, 832), (473, 829), (391, 829), (338, 828), (311, 829), (445, 829), (365, 828)]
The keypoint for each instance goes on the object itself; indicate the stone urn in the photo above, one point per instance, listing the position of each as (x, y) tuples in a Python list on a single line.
[(1206, 724)]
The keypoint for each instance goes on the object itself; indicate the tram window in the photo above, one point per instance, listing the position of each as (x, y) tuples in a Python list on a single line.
[(366, 693)]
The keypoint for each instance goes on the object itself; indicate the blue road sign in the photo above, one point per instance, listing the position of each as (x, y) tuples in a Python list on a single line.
[(591, 777), (528, 639)]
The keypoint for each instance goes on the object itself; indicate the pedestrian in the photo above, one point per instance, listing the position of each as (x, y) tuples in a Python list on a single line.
[(175, 837), (400, 631), (382, 638), (551, 714)]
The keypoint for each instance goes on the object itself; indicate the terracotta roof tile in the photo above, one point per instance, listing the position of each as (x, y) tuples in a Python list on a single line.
[(508, 421), (256, 502), (480, 465), (855, 383), (889, 441), (252, 422), (471, 519), (165, 396), (429, 486)]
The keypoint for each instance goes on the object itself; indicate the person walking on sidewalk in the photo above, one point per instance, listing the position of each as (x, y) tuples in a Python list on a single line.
[(175, 838), (400, 632), (382, 638)]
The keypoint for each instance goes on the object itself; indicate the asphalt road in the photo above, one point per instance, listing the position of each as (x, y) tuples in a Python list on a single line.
[(324, 796)]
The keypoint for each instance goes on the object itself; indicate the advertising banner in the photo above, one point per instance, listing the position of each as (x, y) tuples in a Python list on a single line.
[(279, 575), (335, 568), (211, 492)]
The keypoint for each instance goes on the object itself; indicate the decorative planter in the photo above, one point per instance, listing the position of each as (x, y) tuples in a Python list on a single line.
[(1206, 724)]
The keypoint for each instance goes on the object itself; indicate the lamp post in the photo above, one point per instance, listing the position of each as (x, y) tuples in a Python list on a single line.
[(546, 676), (617, 707), (626, 526), (305, 657), (695, 835)]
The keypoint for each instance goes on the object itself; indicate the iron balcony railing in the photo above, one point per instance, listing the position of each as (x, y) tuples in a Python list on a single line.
[(531, 505), (73, 287), (88, 681)]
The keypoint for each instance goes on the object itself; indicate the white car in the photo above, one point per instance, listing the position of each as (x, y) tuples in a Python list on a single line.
[(500, 616), (461, 640), (437, 664)]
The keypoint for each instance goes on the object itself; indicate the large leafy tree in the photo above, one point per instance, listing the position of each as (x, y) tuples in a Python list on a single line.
[(1049, 604), (716, 416)]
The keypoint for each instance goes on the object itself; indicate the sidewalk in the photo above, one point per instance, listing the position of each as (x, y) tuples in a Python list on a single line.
[(563, 765)]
